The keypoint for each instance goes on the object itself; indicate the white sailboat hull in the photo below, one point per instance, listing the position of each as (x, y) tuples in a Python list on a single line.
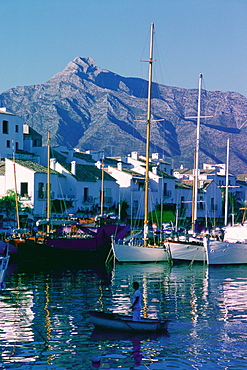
[(186, 251), (136, 253), (225, 253)]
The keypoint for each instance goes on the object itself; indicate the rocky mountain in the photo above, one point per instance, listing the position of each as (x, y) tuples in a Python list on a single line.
[(87, 107)]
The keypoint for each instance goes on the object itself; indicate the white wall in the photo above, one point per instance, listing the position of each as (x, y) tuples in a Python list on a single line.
[(12, 136)]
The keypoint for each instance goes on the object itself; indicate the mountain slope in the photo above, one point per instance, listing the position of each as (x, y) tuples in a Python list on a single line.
[(89, 108)]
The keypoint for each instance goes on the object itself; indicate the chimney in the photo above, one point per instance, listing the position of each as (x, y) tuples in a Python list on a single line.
[(155, 156), (120, 166), (155, 170), (53, 163), (73, 167), (98, 165), (134, 155)]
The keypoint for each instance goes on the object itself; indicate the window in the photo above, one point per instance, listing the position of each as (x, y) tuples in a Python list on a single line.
[(141, 185), (16, 128), (16, 146), (24, 189), (166, 192), (85, 195), (5, 127), (41, 190), (8, 144), (165, 189)]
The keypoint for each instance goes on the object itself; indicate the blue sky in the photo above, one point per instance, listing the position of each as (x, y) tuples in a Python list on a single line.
[(40, 37)]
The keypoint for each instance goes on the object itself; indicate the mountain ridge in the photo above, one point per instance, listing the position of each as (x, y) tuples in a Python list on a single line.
[(87, 107)]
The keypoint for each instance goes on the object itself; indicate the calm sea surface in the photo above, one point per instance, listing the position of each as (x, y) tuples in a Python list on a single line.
[(44, 322)]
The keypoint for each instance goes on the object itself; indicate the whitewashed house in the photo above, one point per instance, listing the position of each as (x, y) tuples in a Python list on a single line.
[(183, 200), (241, 190), (31, 184), (132, 185), (11, 133), (84, 185)]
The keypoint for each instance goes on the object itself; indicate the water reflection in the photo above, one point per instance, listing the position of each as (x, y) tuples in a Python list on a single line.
[(228, 287), (44, 321)]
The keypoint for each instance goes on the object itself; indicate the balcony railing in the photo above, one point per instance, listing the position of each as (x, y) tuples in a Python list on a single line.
[(25, 197)]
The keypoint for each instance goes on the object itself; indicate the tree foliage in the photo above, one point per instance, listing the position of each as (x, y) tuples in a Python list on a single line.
[(7, 204)]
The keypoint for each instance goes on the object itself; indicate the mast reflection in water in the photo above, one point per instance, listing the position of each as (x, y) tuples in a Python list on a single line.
[(44, 321)]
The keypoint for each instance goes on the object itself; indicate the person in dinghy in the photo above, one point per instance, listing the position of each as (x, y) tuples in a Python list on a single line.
[(136, 302)]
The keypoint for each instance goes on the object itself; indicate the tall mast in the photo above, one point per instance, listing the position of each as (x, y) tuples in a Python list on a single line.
[(148, 135), (16, 194), (197, 148), (227, 181), (102, 187), (193, 196), (48, 185)]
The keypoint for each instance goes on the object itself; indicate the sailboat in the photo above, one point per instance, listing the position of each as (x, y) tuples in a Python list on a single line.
[(193, 249), (233, 248), (70, 241), (139, 247)]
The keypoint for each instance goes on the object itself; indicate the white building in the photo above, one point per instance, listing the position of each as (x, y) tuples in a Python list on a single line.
[(31, 182), (84, 185), (11, 133), (130, 175)]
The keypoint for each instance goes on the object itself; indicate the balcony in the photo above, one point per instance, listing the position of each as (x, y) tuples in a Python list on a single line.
[(25, 197)]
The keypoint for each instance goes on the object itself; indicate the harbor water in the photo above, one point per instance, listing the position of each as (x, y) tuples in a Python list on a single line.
[(44, 322)]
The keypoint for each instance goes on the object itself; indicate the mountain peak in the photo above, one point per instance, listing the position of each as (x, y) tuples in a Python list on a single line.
[(84, 67)]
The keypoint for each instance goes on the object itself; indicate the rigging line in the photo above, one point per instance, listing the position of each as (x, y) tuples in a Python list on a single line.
[(242, 125), (205, 102), (144, 53), (161, 62)]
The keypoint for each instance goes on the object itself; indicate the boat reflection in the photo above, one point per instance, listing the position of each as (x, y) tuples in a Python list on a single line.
[(104, 335)]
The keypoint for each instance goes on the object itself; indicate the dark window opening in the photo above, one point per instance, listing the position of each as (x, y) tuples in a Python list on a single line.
[(24, 189), (5, 127)]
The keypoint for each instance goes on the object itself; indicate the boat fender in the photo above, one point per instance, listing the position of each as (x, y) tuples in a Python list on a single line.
[(96, 362)]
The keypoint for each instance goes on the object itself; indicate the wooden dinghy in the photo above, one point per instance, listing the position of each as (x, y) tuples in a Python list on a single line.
[(103, 320)]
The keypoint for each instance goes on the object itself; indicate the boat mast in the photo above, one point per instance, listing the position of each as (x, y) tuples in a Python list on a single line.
[(197, 149), (148, 135), (48, 185), (227, 181), (16, 194), (102, 187)]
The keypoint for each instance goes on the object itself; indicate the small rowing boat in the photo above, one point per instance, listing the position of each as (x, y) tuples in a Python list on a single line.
[(113, 321)]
